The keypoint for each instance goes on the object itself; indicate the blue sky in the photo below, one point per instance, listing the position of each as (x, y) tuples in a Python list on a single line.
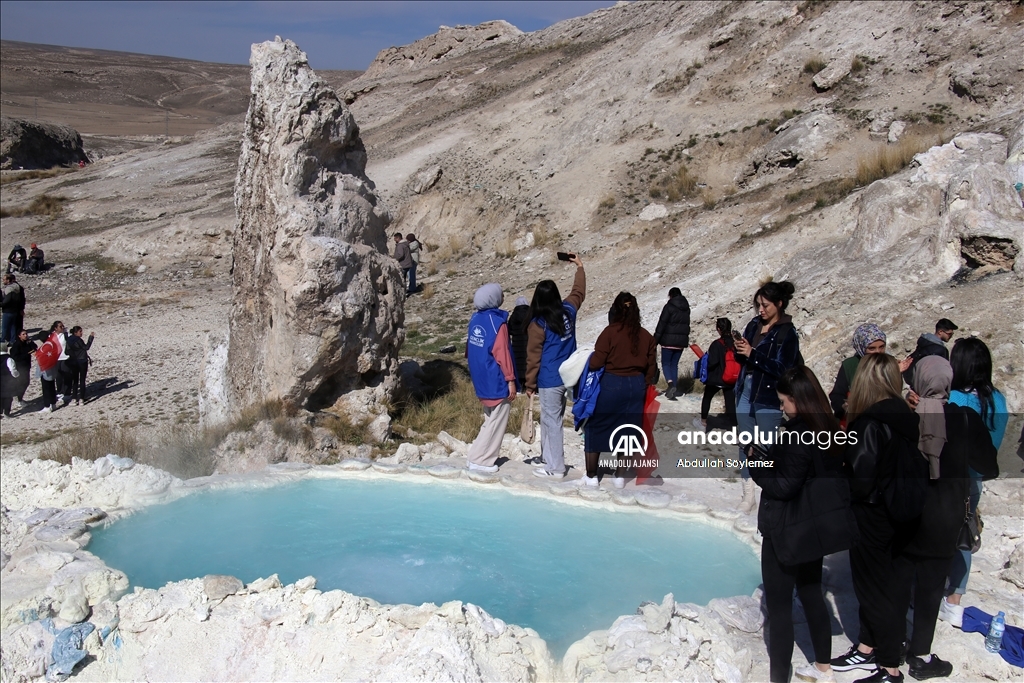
[(335, 35)]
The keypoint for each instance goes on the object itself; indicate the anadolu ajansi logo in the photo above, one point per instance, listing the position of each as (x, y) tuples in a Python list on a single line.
[(628, 441)]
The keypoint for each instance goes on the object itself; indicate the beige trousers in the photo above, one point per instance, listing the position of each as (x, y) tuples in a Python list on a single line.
[(487, 445)]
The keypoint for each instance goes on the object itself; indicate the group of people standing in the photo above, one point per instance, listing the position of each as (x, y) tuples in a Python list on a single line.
[(899, 494), (407, 253), (62, 361)]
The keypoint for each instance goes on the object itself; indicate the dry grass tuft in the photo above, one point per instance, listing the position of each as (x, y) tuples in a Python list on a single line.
[(43, 205), (814, 65), (504, 249), (607, 203), (85, 302), (428, 291), (346, 429), (451, 405), (888, 159), (541, 236), (708, 199), (186, 450), (92, 443), (18, 176), (676, 185)]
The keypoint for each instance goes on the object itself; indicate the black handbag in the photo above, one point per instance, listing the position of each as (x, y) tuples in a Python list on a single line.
[(970, 532), (819, 521)]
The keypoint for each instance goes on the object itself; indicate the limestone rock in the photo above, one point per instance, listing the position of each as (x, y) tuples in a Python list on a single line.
[(1014, 570), (653, 212), (741, 612), (447, 43), (456, 446), (317, 307), (896, 129), (30, 144), (837, 70), (219, 586), (74, 608), (426, 179), (801, 138), (656, 616)]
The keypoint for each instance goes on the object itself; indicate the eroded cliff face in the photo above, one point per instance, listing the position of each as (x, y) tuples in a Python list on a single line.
[(317, 303)]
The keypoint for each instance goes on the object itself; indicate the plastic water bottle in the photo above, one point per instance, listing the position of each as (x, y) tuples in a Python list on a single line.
[(995, 633)]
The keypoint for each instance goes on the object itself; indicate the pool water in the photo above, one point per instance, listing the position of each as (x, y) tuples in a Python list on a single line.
[(563, 570)]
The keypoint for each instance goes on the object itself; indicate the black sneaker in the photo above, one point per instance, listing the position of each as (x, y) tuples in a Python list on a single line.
[(921, 670), (855, 659), (881, 676)]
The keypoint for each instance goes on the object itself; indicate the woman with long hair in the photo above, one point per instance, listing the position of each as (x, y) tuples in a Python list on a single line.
[(78, 362), (718, 359), (886, 432), (626, 352), (769, 346), (972, 388), (550, 340), (808, 419)]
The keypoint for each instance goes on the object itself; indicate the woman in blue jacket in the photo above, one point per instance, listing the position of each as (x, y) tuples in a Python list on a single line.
[(769, 346)]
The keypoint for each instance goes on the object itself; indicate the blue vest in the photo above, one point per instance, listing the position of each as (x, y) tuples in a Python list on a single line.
[(488, 379), (557, 348)]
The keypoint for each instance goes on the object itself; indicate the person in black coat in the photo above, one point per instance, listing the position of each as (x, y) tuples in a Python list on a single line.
[(78, 360), (926, 559), (716, 366), (21, 351), (673, 334), (792, 464), (885, 428), (929, 345), (517, 323)]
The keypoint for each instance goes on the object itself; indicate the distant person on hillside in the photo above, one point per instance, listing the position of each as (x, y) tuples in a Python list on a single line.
[(78, 364), (929, 345), (21, 352), (673, 334), (723, 371), (36, 260), (517, 323), (16, 259), (404, 257), (12, 309), (867, 338), (414, 254), (488, 351)]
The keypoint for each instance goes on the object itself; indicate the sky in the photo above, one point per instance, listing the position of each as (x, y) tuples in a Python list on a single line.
[(334, 35)]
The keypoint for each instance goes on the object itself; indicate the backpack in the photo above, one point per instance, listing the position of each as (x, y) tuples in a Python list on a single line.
[(731, 371), (903, 479), (700, 368)]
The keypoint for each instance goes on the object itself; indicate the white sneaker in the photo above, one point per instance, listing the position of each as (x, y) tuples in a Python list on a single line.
[(812, 673), (699, 425), (589, 481), (60, 397), (619, 483), (18, 403), (541, 472), (954, 614), (490, 469)]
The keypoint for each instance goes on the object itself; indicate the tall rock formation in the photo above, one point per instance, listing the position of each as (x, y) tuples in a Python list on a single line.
[(317, 309), (32, 144)]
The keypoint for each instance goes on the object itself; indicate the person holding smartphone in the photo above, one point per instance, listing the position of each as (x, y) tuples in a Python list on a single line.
[(551, 339), (768, 347)]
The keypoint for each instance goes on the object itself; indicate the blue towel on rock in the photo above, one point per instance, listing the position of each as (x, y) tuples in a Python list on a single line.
[(976, 621)]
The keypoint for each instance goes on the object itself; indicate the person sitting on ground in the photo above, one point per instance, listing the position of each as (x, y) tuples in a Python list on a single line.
[(78, 363), (488, 350), (626, 351), (867, 338), (36, 260), (673, 334), (929, 345), (950, 436), (404, 257), (16, 259), (721, 361), (21, 352)]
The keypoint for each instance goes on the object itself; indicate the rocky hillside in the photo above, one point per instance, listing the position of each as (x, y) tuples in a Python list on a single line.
[(702, 145)]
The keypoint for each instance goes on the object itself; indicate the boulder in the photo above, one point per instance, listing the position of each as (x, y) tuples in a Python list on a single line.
[(31, 144), (801, 138), (219, 586), (426, 179), (837, 70), (317, 302), (447, 43), (741, 612)]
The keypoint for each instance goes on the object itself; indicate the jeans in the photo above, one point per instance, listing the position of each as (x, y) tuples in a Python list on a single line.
[(552, 411), (670, 364), (960, 569), (766, 418), (412, 279), (9, 325)]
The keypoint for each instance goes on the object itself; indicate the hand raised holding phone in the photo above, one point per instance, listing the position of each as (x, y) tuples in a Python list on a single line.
[(570, 257)]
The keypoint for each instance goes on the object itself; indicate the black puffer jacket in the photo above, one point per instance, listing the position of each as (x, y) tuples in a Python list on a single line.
[(875, 428), (517, 323), (674, 324), (944, 508)]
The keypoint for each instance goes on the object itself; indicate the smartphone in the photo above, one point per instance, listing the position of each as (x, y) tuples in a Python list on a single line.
[(564, 256), (736, 335)]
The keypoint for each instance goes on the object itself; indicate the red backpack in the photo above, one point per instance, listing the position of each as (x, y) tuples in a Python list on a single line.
[(731, 371)]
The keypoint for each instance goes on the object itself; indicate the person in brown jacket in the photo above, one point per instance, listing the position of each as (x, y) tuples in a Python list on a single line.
[(626, 351), (550, 340)]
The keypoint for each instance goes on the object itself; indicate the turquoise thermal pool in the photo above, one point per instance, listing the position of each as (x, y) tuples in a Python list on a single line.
[(561, 569)]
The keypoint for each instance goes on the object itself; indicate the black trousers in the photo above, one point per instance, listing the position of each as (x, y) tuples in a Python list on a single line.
[(876, 583), (49, 392), (78, 369), (928, 576), (730, 402), (779, 581)]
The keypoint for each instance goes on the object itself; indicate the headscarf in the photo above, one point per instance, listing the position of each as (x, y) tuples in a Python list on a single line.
[(521, 301), (865, 335), (932, 378), (488, 296)]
